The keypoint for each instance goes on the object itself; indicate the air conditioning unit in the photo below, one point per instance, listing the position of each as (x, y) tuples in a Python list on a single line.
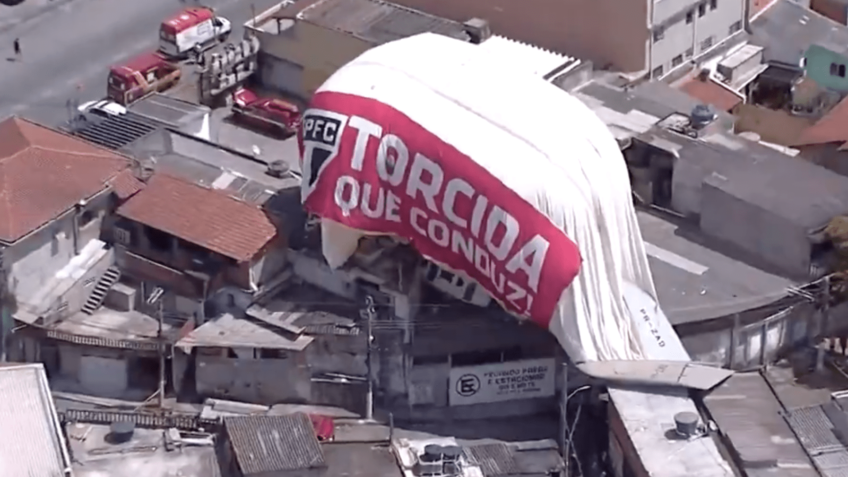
[(456, 286)]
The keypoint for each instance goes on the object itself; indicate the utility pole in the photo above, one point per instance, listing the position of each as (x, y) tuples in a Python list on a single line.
[(156, 298), (823, 326), (161, 339), (368, 315), (563, 420)]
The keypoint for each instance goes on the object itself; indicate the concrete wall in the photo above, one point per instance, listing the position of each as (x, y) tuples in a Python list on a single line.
[(319, 51), (34, 260), (581, 28), (828, 156), (99, 371), (780, 242), (267, 267), (260, 381), (774, 126)]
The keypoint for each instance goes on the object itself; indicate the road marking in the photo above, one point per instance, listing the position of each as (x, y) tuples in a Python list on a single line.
[(674, 259)]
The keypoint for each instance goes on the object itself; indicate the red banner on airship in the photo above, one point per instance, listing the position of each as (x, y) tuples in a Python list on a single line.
[(370, 167)]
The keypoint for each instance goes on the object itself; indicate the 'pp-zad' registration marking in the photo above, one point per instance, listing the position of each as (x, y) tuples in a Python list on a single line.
[(321, 129)]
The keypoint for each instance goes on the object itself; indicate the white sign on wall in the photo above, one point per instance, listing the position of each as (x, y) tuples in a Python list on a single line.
[(502, 382)]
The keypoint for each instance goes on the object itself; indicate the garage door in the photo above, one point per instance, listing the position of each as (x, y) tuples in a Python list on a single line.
[(280, 75)]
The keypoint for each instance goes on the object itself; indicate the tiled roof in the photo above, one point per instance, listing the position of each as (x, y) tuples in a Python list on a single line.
[(274, 443), (830, 128), (125, 185), (44, 172), (201, 216), (709, 92)]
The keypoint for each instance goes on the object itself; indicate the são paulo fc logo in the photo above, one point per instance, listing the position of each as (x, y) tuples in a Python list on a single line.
[(322, 132)]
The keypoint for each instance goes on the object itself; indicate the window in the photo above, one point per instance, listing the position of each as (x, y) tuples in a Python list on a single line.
[(690, 52), (702, 10), (159, 240), (834, 69), (677, 61), (841, 71), (690, 17), (713, 4), (659, 34), (737, 26), (122, 236), (658, 72), (707, 44)]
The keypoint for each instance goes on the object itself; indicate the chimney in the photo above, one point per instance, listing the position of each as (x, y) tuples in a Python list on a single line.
[(477, 30)]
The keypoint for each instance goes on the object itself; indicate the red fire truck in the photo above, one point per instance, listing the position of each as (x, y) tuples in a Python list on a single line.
[(192, 30)]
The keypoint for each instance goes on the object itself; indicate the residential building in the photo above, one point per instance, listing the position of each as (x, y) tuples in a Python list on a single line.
[(195, 241), (303, 43), (57, 190), (794, 35), (32, 441), (653, 38)]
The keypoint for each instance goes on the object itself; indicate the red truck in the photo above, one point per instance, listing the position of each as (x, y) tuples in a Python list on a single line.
[(269, 114), (140, 77)]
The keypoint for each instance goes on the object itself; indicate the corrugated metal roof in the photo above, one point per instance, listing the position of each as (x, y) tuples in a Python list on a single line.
[(517, 55), (116, 132), (494, 459), (230, 331), (749, 415), (274, 443), (31, 442), (378, 22)]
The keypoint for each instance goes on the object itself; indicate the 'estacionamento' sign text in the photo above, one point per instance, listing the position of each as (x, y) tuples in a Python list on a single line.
[(502, 382)]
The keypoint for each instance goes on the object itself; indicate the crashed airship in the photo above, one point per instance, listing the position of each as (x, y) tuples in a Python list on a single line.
[(501, 177)]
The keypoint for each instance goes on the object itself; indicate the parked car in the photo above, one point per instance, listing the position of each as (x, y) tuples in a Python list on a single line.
[(269, 114)]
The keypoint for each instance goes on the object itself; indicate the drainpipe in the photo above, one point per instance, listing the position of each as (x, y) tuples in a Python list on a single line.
[(76, 232)]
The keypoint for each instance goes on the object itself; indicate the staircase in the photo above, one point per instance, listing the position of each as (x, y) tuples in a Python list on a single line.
[(100, 290)]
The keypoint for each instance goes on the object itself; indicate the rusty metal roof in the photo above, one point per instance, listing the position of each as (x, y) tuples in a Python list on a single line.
[(376, 21), (274, 443)]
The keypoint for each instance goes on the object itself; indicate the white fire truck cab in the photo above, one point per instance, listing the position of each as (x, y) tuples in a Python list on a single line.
[(192, 30)]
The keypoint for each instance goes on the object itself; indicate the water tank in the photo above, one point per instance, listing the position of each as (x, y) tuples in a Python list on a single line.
[(686, 424), (701, 116), (121, 432), (278, 169), (430, 462)]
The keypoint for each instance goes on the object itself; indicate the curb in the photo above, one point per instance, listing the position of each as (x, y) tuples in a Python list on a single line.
[(28, 17)]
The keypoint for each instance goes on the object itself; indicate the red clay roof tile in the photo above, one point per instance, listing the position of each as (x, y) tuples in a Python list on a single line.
[(709, 92), (201, 216), (44, 172)]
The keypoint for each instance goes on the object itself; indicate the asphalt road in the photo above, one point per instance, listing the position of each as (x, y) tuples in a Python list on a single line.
[(67, 51)]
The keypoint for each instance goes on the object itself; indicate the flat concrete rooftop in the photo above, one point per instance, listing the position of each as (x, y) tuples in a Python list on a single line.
[(696, 282)]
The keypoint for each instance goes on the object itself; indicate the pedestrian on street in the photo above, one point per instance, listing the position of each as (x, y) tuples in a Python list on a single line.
[(17, 46)]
